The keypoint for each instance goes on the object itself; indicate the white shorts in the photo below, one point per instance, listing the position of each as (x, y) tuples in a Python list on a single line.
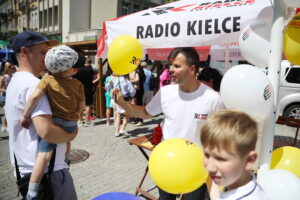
[(116, 107)]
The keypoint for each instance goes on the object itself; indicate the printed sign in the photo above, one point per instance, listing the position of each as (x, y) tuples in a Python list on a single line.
[(185, 23)]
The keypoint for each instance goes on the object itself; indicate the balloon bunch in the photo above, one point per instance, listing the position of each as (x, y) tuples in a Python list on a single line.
[(254, 40), (282, 181)]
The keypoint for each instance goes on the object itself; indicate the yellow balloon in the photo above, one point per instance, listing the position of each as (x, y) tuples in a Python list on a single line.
[(291, 40), (286, 158), (124, 54), (176, 166)]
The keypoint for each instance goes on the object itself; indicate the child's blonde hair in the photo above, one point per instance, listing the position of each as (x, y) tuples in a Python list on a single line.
[(230, 130)]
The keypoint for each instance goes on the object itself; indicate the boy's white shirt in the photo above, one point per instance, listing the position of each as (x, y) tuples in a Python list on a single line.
[(24, 142), (180, 109), (251, 191)]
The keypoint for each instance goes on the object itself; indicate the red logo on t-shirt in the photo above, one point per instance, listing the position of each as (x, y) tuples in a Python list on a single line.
[(200, 116)]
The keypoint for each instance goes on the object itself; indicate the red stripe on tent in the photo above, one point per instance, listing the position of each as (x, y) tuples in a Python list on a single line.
[(101, 41), (163, 53)]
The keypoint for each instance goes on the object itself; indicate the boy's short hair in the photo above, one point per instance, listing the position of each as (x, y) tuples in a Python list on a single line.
[(60, 58), (230, 130)]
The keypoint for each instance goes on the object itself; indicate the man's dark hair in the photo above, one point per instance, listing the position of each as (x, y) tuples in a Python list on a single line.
[(191, 55), (213, 74)]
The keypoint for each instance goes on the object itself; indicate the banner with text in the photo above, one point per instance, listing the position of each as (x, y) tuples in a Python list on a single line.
[(187, 23)]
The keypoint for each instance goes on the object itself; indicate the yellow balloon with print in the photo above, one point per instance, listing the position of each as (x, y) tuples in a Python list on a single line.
[(286, 158), (124, 54), (176, 166), (291, 40)]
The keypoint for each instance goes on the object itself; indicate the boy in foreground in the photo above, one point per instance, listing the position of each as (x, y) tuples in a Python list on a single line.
[(229, 138), (66, 99)]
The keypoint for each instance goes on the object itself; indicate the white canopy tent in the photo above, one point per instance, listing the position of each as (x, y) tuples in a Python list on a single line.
[(186, 23), (204, 23)]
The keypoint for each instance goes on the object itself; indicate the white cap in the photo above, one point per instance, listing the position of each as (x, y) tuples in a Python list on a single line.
[(60, 58)]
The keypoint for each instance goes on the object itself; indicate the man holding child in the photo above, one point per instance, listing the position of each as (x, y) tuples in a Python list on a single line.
[(31, 48)]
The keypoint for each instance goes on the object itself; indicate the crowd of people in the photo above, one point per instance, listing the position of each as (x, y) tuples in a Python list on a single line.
[(43, 115), (6, 71)]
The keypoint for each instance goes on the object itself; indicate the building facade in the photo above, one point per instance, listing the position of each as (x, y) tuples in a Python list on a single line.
[(8, 19), (82, 20), (47, 19), (64, 20)]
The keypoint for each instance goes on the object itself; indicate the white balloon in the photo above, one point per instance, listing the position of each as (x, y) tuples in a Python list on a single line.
[(280, 184), (292, 3), (247, 88), (254, 43)]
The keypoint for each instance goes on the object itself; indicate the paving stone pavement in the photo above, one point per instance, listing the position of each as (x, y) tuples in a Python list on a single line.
[(113, 165)]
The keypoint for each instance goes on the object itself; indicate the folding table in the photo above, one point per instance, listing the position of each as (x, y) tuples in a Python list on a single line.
[(291, 122), (143, 143)]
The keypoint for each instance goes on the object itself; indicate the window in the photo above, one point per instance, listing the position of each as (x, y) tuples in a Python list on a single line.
[(55, 15), (293, 76), (125, 8), (136, 8), (41, 19), (45, 19), (50, 17)]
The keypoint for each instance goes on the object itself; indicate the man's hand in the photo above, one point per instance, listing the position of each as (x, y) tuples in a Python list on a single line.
[(25, 122), (130, 109)]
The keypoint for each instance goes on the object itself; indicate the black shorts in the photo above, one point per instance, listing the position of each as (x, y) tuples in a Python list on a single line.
[(88, 98)]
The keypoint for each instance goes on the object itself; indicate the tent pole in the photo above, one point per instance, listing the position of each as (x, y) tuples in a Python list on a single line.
[(226, 64), (100, 101), (274, 66), (101, 89)]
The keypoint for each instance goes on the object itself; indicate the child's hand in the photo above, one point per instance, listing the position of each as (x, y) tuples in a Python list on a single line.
[(25, 122)]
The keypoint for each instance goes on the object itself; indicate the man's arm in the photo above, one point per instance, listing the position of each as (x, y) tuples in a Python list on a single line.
[(30, 105), (135, 110), (47, 130)]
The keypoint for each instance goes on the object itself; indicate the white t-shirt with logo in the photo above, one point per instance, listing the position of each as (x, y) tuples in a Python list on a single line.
[(250, 191), (184, 112), (24, 142)]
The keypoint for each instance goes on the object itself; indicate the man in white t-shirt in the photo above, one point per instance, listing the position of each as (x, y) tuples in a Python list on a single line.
[(30, 48), (186, 104)]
